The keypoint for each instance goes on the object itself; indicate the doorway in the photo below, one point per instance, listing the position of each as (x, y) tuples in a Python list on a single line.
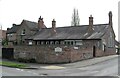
[(94, 51), (8, 53)]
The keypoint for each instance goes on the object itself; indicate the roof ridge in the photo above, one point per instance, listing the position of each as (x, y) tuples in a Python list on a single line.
[(78, 26), (30, 21)]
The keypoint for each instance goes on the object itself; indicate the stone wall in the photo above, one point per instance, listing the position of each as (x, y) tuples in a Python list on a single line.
[(66, 54), (47, 54)]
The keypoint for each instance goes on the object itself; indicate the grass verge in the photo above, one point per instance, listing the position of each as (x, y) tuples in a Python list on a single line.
[(12, 64)]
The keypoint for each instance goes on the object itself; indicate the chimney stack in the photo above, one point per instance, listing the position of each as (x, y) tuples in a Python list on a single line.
[(90, 23), (110, 18), (8, 28), (54, 26), (41, 23), (14, 24)]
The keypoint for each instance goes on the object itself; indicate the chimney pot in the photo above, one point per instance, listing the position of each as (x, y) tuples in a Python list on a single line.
[(14, 24), (8, 28)]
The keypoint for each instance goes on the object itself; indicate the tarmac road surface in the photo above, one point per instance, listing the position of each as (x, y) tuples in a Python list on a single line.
[(106, 68)]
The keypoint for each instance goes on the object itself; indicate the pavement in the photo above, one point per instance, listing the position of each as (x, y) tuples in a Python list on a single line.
[(92, 61), (78, 64)]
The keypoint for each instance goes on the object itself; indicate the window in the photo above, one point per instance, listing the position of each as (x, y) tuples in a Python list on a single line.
[(30, 42), (23, 41), (51, 42), (47, 42), (68, 42), (57, 42), (117, 50), (15, 43), (61, 42), (10, 35), (23, 32), (79, 42), (111, 41), (71, 42), (37, 43), (65, 42), (98, 44), (42, 42), (103, 47)]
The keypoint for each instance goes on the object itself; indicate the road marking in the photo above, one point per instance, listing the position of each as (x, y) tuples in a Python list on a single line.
[(17, 69), (32, 72), (27, 71), (53, 67)]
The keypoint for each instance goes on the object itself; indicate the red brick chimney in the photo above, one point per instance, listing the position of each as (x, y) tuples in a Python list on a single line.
[(90, 23), (54, 26), (41, 23)]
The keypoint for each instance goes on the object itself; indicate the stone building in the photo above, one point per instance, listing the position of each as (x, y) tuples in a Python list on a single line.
[(11, 35), (17, 34), (2, 34), (66, 44)]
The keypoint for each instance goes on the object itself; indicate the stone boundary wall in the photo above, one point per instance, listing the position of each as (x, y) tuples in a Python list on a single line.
[(61, 53), (47, 54)]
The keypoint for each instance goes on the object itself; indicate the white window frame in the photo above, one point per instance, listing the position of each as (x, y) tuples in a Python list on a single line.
[(30, 43), (78, 42), (103, 47)]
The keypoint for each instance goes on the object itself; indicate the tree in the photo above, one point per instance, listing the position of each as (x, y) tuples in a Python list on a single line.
[(4, 42), (75, 18)]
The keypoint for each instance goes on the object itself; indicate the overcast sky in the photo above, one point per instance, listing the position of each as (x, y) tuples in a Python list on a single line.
[(14, 11)]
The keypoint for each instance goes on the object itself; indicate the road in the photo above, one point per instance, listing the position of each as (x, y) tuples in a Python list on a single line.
[(106, 68), (7, 71)]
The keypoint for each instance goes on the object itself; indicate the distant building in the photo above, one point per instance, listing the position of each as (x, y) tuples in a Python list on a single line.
[(2, 34), (2, 38), (64, 44), (12, 34)]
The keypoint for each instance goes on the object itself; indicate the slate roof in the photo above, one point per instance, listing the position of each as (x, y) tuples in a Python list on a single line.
[(71, 32), (31, 25), (13, 29), (117, 43)]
